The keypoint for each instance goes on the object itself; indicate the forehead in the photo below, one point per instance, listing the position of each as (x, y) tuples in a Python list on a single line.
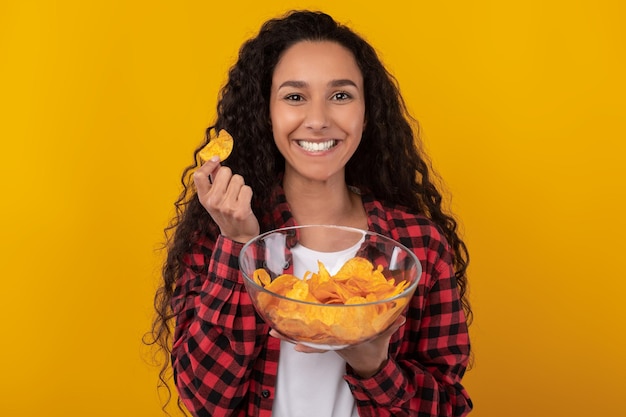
[(317, 59)]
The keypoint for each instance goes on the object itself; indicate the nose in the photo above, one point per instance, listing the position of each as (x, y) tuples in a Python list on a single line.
[(317, 116)]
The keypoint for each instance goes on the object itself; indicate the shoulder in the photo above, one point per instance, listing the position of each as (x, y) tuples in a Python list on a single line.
[(410, 227), (389, 217), (418, 233)]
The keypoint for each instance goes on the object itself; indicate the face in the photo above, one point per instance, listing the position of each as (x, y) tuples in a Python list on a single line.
[(317, 109)]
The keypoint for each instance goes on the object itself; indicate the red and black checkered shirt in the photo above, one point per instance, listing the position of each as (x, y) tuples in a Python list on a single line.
[(225, 363)]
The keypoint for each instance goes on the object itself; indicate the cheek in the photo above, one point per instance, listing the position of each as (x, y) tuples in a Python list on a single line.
[(357, 125), (354, 120), (284, 120)]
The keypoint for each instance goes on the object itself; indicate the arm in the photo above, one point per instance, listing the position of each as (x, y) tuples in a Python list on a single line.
[(428, 355), (215, 342), (217, 338)]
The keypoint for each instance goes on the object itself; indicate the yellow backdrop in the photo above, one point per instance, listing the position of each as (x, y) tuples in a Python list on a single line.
[(522, 106)]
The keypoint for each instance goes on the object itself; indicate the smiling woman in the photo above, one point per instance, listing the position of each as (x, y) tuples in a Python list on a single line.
[(521, 106), (312, 110), (317, 105)]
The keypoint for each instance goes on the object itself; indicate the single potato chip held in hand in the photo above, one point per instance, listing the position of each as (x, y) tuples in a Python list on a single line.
[(221, 146)]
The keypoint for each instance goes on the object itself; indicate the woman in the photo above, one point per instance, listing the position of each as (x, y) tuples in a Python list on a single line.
[(322, 136)]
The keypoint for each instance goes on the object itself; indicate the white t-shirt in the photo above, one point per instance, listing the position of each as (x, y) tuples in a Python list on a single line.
[(312, 384)]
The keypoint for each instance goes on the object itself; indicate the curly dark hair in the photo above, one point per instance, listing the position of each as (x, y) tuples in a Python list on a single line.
[(390, 142)]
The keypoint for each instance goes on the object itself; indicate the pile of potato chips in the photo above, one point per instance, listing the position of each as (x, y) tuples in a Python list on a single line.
[(336, 311)]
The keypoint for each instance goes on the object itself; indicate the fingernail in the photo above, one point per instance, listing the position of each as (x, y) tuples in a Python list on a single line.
[(215, 159)]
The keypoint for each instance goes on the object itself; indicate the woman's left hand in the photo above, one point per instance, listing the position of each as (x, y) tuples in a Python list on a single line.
[(369, 357), (365, 358)]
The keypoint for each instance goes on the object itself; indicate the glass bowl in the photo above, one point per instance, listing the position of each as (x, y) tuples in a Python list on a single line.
[(326, 286)]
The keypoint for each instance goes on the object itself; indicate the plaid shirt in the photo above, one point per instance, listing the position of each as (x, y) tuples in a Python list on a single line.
[(225, 363)]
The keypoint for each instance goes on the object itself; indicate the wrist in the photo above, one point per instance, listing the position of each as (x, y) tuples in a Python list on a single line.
[(242, 239), (368, 371)]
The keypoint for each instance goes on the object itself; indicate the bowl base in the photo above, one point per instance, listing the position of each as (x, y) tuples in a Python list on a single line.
[(323, 346)]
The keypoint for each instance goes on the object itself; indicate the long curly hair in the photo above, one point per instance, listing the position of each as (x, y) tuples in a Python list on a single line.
[(390, 142)]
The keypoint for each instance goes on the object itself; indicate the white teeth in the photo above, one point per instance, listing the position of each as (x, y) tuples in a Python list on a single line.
[(316, 146)]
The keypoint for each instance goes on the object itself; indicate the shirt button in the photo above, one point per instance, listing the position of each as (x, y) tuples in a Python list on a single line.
[(265, 393)]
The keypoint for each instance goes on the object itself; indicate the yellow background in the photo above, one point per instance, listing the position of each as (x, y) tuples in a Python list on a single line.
[(522, 106)]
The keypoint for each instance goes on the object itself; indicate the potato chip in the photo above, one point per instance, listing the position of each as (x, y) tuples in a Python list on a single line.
[(357, 282), (262, 277), (221, 146), (282, 284), (355, 267), (294, 327), (300, 291)]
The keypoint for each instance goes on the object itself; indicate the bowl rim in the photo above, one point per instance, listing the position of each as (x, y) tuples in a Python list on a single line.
[(407, 291)]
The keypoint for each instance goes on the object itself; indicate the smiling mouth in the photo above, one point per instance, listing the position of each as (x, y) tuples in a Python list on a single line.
[(316, 146)]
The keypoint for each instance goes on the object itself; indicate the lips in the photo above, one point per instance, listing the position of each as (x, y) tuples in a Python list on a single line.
[(316, 146)]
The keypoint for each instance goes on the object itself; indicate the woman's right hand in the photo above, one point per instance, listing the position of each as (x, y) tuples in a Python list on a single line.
[(227, 199)]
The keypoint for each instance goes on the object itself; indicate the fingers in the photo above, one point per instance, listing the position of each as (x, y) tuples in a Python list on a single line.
[(385, 336), (382, 339), (368, 358), (395, 326), (226, 185), (201, 175), (229, 195), (227, 199), (277, 335), (218, 189)]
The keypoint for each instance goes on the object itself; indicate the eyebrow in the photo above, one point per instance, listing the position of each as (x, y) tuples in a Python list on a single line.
[(341, 83), (333, 83)]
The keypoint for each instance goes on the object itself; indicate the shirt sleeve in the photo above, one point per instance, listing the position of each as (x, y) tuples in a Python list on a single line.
[(215, 339), (428, 355)]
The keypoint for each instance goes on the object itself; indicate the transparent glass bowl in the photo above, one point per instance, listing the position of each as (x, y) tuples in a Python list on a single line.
[(334, 325)]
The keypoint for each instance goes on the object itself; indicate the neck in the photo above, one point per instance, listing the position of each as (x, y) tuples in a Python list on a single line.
[(327, 202)]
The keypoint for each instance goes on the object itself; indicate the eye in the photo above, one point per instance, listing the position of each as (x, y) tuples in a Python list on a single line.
[(341, 96), (294, 97)]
